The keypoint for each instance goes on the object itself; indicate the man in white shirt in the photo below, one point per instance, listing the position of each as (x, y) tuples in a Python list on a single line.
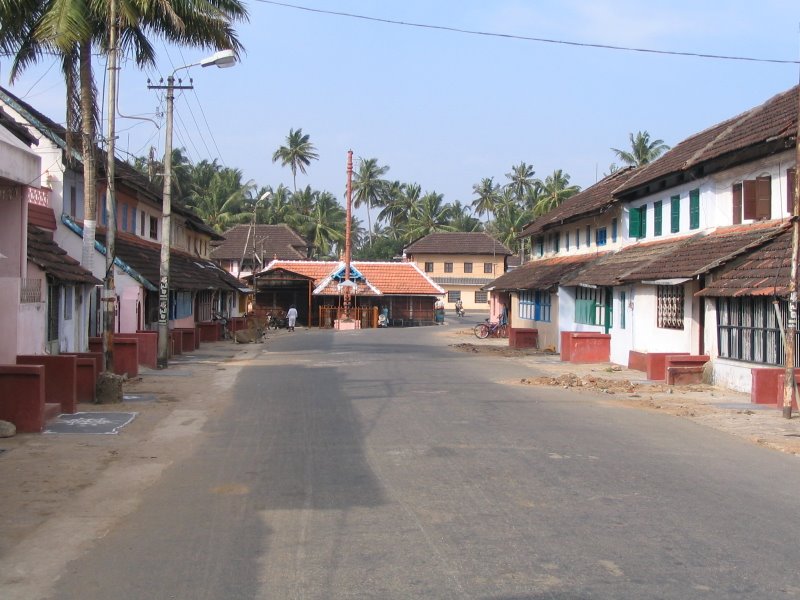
[(291, 317)]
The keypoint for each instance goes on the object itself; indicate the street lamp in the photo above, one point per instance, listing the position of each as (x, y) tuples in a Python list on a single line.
[(221, 59)]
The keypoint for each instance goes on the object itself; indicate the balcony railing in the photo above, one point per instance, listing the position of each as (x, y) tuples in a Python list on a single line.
[(38, 196)]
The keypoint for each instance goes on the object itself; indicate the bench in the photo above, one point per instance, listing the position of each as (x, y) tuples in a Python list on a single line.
[(22, 398), (684, 369)]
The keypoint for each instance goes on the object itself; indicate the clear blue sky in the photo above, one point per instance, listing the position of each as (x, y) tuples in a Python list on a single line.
[(446, 109)]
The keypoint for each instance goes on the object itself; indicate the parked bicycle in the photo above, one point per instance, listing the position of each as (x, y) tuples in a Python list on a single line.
[(222, 320), (486, 329)]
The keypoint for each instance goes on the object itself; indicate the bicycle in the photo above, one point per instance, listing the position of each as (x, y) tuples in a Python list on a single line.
[(486, 329), (222, 320)]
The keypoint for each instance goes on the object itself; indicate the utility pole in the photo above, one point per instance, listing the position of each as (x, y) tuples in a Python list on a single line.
[(162, 360), (109, 291), (791, 327)]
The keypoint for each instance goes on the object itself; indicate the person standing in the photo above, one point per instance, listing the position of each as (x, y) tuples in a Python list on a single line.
[(291, 316)]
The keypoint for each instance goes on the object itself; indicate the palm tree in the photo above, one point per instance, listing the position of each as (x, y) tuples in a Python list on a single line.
[(431, 215), (555, 190), (642, 150), (369, 187), (297, 154), (222, 202), (461, 218), (326, 225), (487, 193), (70, 28), (521, 181)]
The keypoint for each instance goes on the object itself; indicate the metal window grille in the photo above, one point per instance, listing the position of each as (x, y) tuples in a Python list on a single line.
[(429, 267), (30, 291), (481, 297), (448, 267), (467, 267), (205, 305), (748, 329), (453, 295), (669, 310)]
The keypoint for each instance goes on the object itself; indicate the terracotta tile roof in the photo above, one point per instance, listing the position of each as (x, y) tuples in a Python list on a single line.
[(382, 278), (457, 242), (592, 200), (42, 216), (612, 268), (186, 272), (540, 274), (776, 119), (763, 272), (271, 241), (55, 261), (702, 253), (126, 174)]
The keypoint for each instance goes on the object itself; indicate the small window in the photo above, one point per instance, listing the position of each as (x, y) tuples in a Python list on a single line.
[(69, 294), (577, 239), (133, 219), (675, 214), (448, 267), (588, 235), (694, 209), (153, 228), (124, 211), (790, 190), (757, 198), (556, 240), (566, 241), (637, 226), (453, 295), (657, 217), (600, 236), (540, 247), (468, 267), (669, 308), (73, 201), (623, 299), (488, 267), (429, 267), (141, 223), (614, 230), (481, 297)]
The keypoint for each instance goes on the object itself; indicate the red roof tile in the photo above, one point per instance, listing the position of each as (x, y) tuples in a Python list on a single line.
[(382, 278), (763, 272), (596, 198), (54, 260), (540, 274), (270, 241), (776, 119)]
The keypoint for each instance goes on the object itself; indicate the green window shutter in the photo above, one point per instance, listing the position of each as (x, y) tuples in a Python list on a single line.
[(635, 223), (675, 214), (643, 221), (694, 209), (657, 218)]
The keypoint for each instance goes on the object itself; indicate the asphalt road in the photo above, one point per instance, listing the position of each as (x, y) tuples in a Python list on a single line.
[(381, 464)]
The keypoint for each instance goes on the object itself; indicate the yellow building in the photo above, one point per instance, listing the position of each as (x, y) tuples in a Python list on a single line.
[(461, 263)]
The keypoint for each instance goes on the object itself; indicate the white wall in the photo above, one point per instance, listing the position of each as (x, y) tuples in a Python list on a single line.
[(733, 375)]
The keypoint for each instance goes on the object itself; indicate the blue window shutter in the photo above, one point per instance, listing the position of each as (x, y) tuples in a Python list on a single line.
[(694, 209)]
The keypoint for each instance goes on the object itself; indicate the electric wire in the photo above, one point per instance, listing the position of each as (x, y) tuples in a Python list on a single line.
[(525, 37)]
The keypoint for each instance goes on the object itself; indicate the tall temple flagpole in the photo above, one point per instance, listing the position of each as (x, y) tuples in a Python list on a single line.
[(347, 235)]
